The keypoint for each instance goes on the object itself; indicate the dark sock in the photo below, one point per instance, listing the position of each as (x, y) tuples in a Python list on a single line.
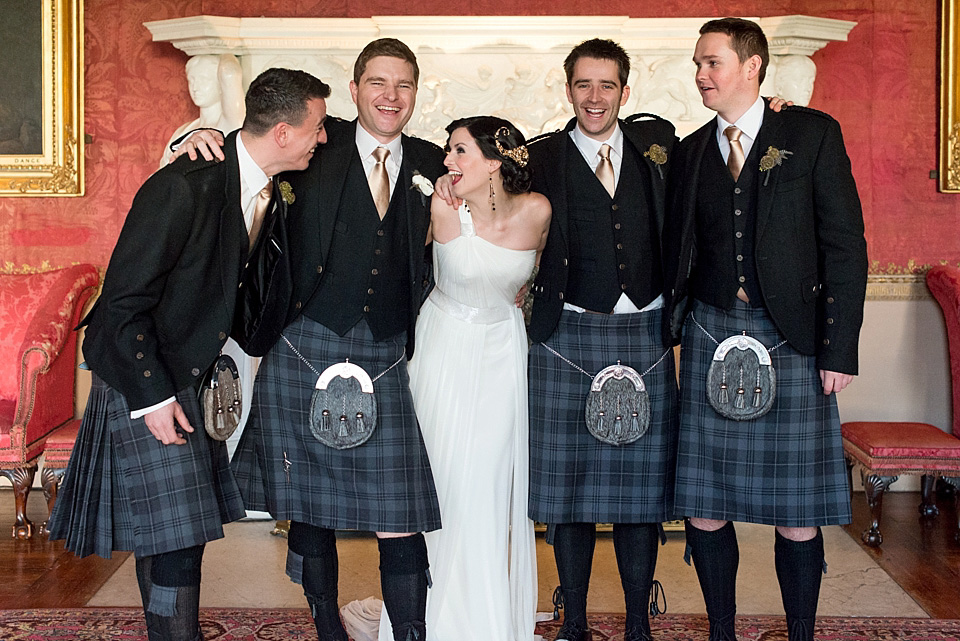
[(573, 546), (403, 580), (318, 547), (799, 570), (636, 547), (177, 574), (716, 556)]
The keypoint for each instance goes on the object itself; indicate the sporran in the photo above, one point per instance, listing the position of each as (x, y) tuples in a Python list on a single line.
[(221, 398), (741, 381), (343, 409), (618, 405)]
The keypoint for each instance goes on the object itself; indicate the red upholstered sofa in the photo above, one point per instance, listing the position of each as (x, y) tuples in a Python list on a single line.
[(37, 368), (885, 450)]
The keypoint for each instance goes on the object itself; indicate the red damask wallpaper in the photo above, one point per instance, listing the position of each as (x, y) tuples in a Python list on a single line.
[(881, 86)]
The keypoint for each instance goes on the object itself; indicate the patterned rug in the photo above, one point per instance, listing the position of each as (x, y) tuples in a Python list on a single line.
[(224, 624)]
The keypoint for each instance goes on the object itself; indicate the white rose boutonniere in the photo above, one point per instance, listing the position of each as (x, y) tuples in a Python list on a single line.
[(422, 183)]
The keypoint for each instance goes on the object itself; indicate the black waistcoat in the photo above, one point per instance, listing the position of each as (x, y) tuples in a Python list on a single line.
[(367, 273), (726, 223), (614, 244)]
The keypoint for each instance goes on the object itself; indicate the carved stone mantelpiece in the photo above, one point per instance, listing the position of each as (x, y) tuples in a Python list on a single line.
[(503, 65)]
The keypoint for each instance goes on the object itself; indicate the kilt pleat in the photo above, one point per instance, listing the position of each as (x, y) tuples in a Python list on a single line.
[(573, 476), (383, 485), (124, 490), (785, 468)]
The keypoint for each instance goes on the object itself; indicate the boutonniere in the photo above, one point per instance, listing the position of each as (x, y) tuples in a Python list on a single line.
[(286, 192), (658, 155), (422, 183), (773, 158)]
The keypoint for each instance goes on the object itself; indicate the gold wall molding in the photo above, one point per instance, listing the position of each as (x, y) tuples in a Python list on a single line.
[(949, 85)]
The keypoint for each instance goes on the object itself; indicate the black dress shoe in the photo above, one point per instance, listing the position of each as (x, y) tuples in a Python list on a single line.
[(573, 632), (637, 633)]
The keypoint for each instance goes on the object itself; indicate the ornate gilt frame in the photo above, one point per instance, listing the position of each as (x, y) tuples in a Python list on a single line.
[(58, 169), (949, 104)]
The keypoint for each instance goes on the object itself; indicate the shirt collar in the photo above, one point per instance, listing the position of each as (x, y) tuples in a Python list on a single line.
[(252, 178), (589, 146), (366, 143), (749, 123)]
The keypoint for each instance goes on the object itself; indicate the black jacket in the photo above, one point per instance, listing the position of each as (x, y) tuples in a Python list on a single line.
[(168, 296), (811, 256)]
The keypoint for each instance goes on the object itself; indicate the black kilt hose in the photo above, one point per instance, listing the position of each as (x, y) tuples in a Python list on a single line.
[(575, 478), (384, 485), (125, 490), (785, 468)]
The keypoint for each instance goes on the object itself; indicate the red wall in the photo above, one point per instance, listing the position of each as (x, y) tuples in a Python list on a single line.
[(881, 86)]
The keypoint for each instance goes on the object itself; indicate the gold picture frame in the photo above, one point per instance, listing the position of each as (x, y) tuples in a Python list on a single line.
[(949, 103), (43, 156)]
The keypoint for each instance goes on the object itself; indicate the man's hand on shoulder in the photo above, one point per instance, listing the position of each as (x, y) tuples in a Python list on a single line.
[(166, 422), (207, 142), (443, 187), (777, 103)]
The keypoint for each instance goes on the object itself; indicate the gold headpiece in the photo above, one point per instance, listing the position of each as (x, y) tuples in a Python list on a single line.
[(518, 154)]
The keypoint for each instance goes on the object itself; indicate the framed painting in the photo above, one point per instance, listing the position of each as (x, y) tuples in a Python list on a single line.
[(949, 103), (41, 98)]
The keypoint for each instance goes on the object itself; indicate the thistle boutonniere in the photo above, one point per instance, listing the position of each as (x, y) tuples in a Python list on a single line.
[(286, 192), (658, 156), (773, 158)]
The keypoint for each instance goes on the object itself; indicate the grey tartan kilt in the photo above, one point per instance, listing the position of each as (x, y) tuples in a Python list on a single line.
[(384, 485), (125, 490), (575, 478), (785, 468)]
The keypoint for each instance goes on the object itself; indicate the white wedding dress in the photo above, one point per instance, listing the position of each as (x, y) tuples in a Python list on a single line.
[(469, 383)]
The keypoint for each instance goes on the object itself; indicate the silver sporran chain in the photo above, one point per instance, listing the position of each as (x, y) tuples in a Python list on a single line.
[(739, 362), (617, 411), (343, 408)]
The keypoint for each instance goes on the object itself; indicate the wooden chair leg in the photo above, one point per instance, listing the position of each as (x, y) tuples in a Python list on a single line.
[(22, 479), (874, 486), (928, 507), (955, 482), (50, 479)]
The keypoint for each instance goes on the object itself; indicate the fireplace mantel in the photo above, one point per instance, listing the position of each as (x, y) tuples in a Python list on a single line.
[(510, 66)]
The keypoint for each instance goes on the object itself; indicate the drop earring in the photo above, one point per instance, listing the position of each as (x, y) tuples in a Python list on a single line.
[(493, 202)]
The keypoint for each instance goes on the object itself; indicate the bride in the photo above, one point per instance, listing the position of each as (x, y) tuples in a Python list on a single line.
[(469, 384)]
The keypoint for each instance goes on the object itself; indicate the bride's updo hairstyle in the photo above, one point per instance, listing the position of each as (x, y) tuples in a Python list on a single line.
[(499, 140)]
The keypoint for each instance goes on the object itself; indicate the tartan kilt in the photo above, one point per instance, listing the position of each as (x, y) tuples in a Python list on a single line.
[(384, 485), (575, 478), (125, 490), (785, 468)]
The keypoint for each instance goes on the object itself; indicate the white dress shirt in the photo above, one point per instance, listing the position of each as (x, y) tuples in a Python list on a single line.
[(749, 123)]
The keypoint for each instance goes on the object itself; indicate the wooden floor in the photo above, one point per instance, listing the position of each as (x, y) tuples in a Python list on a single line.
[(919, 554)]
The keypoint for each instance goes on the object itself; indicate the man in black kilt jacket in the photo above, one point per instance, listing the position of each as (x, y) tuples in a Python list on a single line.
[(357, 226), (597, 301), (765, 238), (144, 474)]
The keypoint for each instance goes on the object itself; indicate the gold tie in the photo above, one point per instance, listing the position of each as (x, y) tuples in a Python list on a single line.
[(735, 159), (260, 212), (380, 182), (605, 170)]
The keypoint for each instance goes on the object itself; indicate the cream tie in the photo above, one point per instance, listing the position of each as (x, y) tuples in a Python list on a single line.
[(380, 182), (260, 212), (735, 159), (605, 170)]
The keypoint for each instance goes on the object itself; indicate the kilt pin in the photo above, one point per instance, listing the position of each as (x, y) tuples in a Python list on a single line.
[(785, 468), (383, 485), (574, 477)]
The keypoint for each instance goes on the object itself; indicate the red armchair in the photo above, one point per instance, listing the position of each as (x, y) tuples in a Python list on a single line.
[(37, 368), (885, 450)]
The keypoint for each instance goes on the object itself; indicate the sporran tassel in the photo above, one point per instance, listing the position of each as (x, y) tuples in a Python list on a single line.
[(600, 428), (723, 397), (360, 427), (740, 402), (635, 423), (325, 421), (757, 391), (618, 426), (343, 426)]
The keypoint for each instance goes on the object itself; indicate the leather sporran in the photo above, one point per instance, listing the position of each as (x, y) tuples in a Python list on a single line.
[(222, 399), (741, 382), (343, 410), (618, 406)]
